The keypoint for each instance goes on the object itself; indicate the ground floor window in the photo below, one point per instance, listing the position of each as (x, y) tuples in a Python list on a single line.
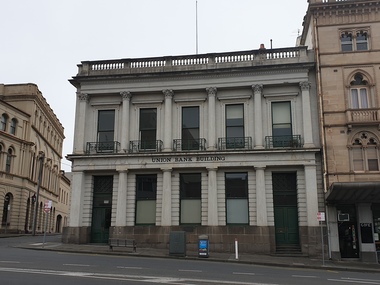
[(190, 195), (146, 190), (237, 198)]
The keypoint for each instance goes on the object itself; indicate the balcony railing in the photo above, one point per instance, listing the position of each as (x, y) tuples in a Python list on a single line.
[(145, 146), (189, 145), (235, 143), (102, 147), (283, 141), (361, 116)]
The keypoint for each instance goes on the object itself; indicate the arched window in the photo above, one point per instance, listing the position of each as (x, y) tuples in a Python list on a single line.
[(8, 162), (13, 126), (359, 92), (3, 123), (346, 41), (365, 152)]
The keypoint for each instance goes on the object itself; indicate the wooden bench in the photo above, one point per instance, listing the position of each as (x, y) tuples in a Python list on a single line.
[(120, 242)]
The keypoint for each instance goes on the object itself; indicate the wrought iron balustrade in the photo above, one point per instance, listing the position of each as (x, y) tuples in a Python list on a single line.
[(235, 143), (145, 146), (185, 145), (294, 141), (102, 147)]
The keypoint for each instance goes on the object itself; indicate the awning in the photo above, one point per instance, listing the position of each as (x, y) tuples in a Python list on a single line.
[(354, 192)]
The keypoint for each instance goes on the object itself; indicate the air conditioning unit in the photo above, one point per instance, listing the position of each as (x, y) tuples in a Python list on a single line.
[(343, 217)]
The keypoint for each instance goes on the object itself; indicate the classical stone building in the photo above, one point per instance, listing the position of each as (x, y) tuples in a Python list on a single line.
[(224, 145), (31, 138), (345, 35)]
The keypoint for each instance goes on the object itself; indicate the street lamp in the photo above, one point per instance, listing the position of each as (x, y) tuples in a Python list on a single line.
[(41, 157)]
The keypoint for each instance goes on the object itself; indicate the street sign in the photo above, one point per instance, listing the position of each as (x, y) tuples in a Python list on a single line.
[(321, 216), (48, 205)]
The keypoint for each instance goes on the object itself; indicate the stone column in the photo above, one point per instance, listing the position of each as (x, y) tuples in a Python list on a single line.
[(166, 216), (311, 195), (212, 206), (168, 140), (80, 123), (306, 115), (76, 203), (261, 199), (126, 97), (257, 92), (211, 140), (121, 204)]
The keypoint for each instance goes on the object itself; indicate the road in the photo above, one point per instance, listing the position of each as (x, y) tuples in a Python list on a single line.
[(23, 266)]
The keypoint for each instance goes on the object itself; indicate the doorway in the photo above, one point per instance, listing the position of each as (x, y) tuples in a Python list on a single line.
[(286, 211), (101, 209), (348, 232)]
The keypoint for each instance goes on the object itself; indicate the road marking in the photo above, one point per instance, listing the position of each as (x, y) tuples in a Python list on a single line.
[(126, 267), (188, 270), (6, 261), (359, 281), (304, 276), (243, 273), (79, 265)]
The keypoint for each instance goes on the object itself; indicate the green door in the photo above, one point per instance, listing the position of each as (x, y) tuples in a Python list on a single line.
[(286, 211), (286, 225), (101, 222), (101, 209)]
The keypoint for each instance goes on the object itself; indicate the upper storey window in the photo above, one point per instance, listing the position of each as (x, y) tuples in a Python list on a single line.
[(106, 128), (235, 126), (190, 128), (148, 128), (3, 123), (354, 40), (13, 126), (365, 152), (359, 92)]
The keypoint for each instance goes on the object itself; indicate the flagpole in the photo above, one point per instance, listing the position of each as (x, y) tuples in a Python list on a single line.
[(196, 26)]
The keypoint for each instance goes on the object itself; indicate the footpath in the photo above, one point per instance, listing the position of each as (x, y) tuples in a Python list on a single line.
[(257, 259)]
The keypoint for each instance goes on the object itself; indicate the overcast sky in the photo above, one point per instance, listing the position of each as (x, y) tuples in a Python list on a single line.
[(42, 41)]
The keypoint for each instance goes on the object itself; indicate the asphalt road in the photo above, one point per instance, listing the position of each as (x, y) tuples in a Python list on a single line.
[(23, 266)]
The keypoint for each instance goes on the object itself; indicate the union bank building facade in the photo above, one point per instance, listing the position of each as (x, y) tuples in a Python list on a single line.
[(224, 145)]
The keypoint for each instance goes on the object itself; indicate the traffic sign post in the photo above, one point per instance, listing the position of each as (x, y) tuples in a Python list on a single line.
[(321, 218), (47, 208)]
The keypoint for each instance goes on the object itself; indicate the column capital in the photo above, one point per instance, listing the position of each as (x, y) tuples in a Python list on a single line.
[(126, 95), (168, 93), (259, 167), (257, 88), (211, 91), (166, 169), (212, 168), (305, 85), (83, 97)]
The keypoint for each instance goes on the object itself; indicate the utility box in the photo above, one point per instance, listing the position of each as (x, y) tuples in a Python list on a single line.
[(177, 243), (203, 246)]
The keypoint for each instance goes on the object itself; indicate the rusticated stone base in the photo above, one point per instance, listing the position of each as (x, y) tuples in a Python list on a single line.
[(221, 238), (80, 235)]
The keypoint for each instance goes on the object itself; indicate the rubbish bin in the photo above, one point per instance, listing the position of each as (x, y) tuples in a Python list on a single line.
[(203, 246)]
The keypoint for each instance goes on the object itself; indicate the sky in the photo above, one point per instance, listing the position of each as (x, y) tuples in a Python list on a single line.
[(42, 41)]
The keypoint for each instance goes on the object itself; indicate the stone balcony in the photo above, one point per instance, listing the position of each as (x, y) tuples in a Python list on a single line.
[(363, 117), (260, 57)]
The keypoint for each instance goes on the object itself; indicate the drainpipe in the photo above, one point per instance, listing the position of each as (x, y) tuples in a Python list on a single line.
[(321, 122)]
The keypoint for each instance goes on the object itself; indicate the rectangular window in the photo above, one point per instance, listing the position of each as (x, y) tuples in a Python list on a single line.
[(346, 41), (235, 126), (148, 128), (357, 156), (106, 129), (359, 98), (190, 128), (373, 162), (281, 124), (361, 41), (190, 196), (237, 198), (146, 192)]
